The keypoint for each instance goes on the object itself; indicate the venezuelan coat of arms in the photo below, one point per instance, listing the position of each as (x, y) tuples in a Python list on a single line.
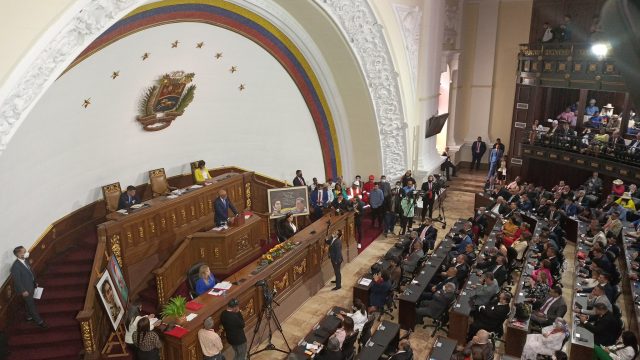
[(166, 100)]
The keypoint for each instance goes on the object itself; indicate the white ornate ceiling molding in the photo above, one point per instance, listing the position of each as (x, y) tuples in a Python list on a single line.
[(73, 32), (357, 21), (452, 24), (410, 19)]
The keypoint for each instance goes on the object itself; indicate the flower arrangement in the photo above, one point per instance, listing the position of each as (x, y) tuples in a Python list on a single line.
[(275, 252)]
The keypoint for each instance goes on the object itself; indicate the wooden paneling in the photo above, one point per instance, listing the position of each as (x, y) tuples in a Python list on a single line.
[(553, 11)]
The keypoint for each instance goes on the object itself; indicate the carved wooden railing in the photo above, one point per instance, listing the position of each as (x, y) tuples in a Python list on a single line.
[(94, 324), (172, 273)]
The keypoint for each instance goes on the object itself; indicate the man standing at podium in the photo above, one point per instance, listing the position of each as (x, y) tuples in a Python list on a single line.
[(222, 206)]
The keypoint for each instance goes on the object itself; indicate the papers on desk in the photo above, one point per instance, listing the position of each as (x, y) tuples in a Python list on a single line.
[(191, 316), (195, 187), (172, 196), (215, 292), (365, 281), (313, 347), (153, 321), (220, 228), (414, 282), (122, 211), (224, 285), (137, 206), (37, 293)]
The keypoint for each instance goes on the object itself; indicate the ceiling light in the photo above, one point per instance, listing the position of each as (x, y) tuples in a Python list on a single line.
[(600, 49)]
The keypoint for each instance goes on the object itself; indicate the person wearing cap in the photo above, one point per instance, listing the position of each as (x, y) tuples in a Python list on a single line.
[(233, 324), (626, 202), (210, 341), (128, 198), (618, 187), (614, 123), (616, 144), (591, 108)]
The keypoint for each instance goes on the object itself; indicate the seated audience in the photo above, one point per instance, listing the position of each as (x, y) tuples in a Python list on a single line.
[(346, 329), (553, 307), (411, 261), (597, 296), (404, 351), (287, 227), (380, 288), (485, 291), (544, 268), (201, 173), (359, 314), (626, 349), (480, 342), (437, 304), (547, 342), (331, 351), (395, 272), (538, 290), (604, 325), (491, 317)]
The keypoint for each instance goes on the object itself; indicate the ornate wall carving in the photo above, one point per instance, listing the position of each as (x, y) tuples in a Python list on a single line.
[(453, 17), (410, 21), (356, 20)]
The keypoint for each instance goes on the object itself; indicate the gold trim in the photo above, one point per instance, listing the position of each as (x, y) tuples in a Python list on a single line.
[(87, 336), (160, 289), (42, 235), (115, 248)]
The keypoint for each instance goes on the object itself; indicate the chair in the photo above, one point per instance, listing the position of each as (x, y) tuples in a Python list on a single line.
[(159, 184), (111, 194), (365, 335), (441, 322), (192, 278), (194, 166), (388, 304), (348, 346)]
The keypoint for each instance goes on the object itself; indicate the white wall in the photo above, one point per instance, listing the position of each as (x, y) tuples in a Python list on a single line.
[(63, 153)]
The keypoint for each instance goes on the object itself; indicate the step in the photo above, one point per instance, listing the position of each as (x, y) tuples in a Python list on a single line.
[(69, 306), (65, 292), (54, 320), (62, 350), (63, 269), (80, 254), (55, 281), (50, 335)]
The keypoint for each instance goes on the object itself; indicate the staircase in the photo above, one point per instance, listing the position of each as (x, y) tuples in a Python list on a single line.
[(65, 282), (469, 181)]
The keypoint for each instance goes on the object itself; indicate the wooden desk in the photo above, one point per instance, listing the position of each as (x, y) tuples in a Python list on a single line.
[(296, 276), (320, 333), (482, 200), (385, 337), (630, 288), (581, 339), (362, 291), (224, 251), (443, 348), (143, 240)]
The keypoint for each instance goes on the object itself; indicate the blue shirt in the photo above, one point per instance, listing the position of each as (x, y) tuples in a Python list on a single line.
[(463, 244), (495, 155), (590, 110), (202, 288), (376, 198)]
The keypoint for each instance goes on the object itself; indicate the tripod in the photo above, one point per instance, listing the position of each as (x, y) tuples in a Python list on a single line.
[(442, 218), (267, 311)]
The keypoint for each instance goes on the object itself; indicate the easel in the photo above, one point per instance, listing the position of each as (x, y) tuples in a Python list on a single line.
[(116, 339)]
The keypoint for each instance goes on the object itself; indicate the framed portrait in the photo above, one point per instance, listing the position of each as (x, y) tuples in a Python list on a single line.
[(110, 299), (290, 199), (118, 278)]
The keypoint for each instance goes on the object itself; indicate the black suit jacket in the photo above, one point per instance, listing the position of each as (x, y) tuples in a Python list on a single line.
[(335, 250), (286, 231), (463, 272), (233, 323), (435, 189), (605, 328), (483, 148), (299, 181), (222, 210), (492, 317), (23, 278), (125, 203), (500, 274)]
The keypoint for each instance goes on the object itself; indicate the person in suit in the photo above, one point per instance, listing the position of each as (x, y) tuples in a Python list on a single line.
[(404, 351), (201, 173), (430, 189), (222, 206), (335, 255), (24, 283), (299, 179), (500, 207), (340, 203), (449, 278), (486, 290), (491, 317), (447, 164), (427, 234), (287, 227), (206, 280), (411, 262), (604, 325), (380, 288), (385, 186), (438, 304), (478, 148), (319, 199), (332, 351), (128, 198), (495, 155), (406, 178), (357, 206), (553, 307)]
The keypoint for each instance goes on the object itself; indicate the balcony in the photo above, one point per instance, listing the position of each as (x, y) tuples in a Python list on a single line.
[(567, 65)]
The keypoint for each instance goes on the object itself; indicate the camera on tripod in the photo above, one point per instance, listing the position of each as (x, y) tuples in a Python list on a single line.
[(267, 293)]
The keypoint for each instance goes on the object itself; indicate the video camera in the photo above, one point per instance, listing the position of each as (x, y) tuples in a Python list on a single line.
[(267, 293)]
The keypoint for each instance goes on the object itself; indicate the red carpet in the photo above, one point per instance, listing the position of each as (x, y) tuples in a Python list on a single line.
[(369, 233), (65, 282)]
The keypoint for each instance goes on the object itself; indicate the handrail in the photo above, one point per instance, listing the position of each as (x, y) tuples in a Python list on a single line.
[(92, 317), (164, 291)]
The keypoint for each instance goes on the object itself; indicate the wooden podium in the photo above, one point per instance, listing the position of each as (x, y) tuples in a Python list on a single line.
[(223, 251)]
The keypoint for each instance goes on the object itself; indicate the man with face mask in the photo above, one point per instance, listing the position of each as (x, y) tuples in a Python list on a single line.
[(430, 189), (385, 186), (392, 209), (24, 282)]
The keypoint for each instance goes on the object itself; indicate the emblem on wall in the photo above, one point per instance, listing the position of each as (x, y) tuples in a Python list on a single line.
[(164, 102)]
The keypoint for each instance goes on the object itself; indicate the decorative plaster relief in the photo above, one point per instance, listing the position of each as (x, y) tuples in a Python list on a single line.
[(452, 21), (410, 19), (357, 21), (85, 25)]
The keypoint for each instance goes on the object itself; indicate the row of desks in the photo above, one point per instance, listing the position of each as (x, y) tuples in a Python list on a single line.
[(581, 339), (631, 288)]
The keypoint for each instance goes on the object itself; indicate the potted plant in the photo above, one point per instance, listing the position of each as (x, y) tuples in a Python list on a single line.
[(175, 309)]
